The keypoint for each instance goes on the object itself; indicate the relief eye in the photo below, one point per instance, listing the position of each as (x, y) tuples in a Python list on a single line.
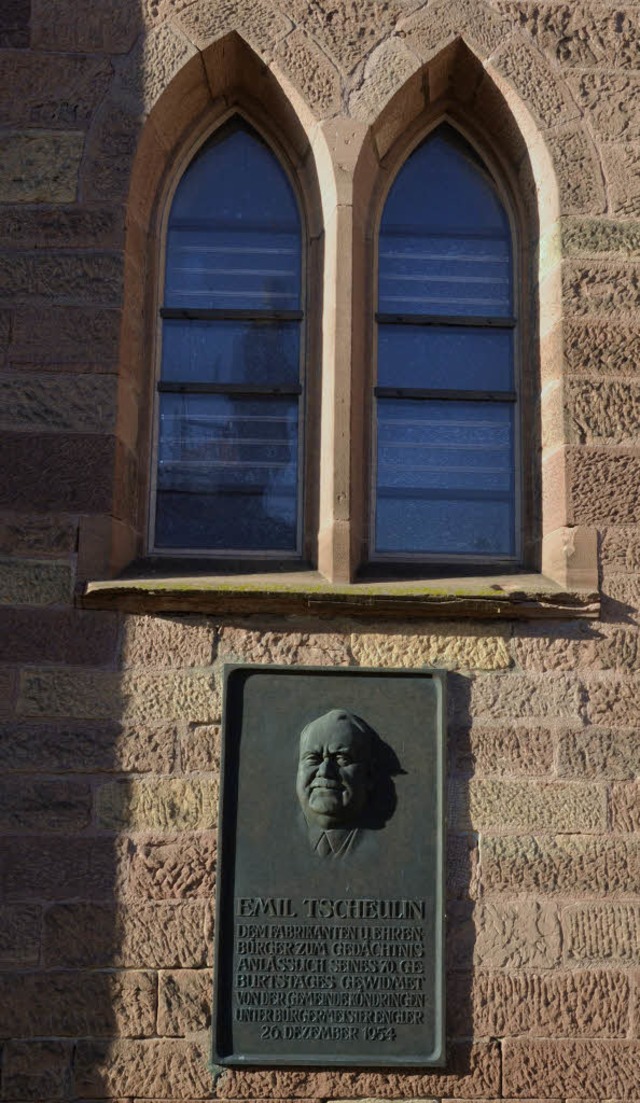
[(313, 759), (343, 760)]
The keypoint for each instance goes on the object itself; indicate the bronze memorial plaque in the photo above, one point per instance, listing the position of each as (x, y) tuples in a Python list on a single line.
[(330, 897)]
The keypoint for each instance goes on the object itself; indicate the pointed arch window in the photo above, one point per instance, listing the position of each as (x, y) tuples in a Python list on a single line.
[(445, 395), (229, 401)]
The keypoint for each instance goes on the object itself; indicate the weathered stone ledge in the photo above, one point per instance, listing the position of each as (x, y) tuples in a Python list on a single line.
[(519, 597)]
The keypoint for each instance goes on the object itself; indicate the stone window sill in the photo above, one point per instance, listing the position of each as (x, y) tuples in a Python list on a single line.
[(509, 597)]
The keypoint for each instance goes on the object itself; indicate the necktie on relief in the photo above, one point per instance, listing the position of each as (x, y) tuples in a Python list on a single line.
[(323, 846)]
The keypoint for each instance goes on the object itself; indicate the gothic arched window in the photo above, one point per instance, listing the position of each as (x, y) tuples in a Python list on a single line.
[(446, 485), (228, 424)]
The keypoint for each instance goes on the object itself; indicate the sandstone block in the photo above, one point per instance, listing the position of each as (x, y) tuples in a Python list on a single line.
[(602, 485), (535, 806), (535, 81), (161, 804), (91, 747), (61, 227), (36, 534), (111, 147), (70, 636), (173, 870), (59, 868), (135, 698), (500, 751), (587, 1004), (83, 277), (595, 753), (433, 26), (58, 403), (162, 641), (604, 411), (108, 30), (34, 582), (620, 594), (203, 23), (8, 688), (621, 161), (614, 703), (619, 648), (80, 472), (20, 935), (340, 29), (386, 71), (503, 935), (620, 550), (564, 647), (49, 335), (581, 36), (37, 1070), (578, 171), (39, 167), (44, 806), (522, 696), (611, 103), (61, 91), (452, 647), (472, 1072), (601, 347), (152, 1069), (149, 68), (6, 321), (576, 864), (68, 1004), (97, 936), (592, 236), (595, 934), (184, 1002), (200, 748), (311, 72), (14, 24), (625, 807), (563, 1068), (598, 288), (295, 648)]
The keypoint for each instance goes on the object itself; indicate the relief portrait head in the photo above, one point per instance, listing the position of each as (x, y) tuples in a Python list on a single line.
[(344, 779)]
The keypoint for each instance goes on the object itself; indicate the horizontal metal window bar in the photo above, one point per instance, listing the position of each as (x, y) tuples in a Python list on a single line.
[(249, 390), (248, 489), (193, 314), (445, 494), (491, 322), (445, 395)]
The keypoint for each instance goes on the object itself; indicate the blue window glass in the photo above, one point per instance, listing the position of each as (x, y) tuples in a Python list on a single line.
[(230, 387), (445, 394)]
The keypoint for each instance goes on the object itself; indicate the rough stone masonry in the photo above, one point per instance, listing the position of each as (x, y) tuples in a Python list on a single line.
[(109, 718)]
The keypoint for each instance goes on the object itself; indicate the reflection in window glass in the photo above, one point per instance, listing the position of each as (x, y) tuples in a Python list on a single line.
[(234, 229), (231, 352), (227, 472), (445, 388), (229, 402), (439, 465)]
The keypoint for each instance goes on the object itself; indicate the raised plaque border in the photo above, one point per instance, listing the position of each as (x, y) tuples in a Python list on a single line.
[(226, 866)]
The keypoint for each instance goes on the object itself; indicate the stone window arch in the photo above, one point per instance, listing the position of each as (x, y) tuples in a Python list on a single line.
[(344, 166)]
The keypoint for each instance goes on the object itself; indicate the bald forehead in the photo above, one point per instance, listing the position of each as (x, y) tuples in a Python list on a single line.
[(335, 728)]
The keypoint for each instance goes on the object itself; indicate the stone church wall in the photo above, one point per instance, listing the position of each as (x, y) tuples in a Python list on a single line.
[(110, 719)]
